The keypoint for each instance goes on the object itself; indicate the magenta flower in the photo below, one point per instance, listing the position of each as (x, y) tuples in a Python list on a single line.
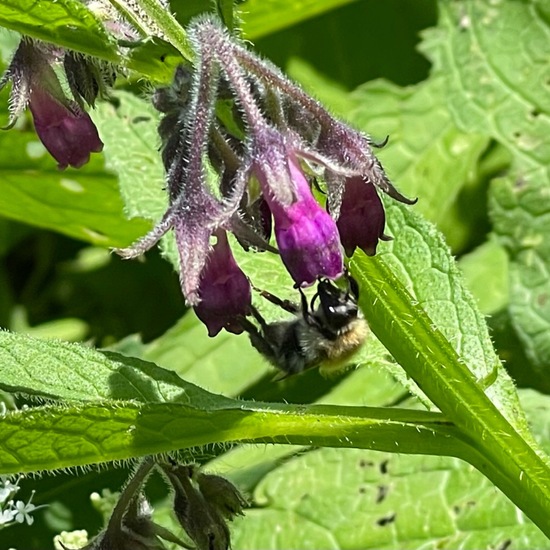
[(362, 218), (307, 236), (224, 290)]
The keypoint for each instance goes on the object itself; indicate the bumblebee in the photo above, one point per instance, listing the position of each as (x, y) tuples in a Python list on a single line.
[(325, 332)]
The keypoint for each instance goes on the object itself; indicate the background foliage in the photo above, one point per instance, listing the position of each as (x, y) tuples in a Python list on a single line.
[(462, 90)]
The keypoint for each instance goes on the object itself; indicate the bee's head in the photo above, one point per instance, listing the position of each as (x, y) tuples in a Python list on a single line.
[(336, 307)]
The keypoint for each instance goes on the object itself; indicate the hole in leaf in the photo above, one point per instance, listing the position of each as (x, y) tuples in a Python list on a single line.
[(384, 467)]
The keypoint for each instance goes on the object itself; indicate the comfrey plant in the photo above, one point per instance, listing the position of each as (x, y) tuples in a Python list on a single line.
[(266, 168)]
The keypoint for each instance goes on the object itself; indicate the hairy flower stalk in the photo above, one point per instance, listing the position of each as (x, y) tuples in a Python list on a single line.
[(265, 161)]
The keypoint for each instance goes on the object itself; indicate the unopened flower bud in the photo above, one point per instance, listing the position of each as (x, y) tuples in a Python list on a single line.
[(362, 218)]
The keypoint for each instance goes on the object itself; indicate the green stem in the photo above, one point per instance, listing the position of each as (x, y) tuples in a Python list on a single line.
[(158, 18), (431, 361)]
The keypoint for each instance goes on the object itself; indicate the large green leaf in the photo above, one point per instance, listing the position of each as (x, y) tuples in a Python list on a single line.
[(84, 204), (371, 505), (261, 17), (118, 407), (521, 213), (130, 125), (382, 500), (499, 86), (67, 23), (427, 156)]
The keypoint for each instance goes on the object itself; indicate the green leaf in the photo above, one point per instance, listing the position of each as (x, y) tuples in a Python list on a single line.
[(262, 17), (66, 23), (485, 273), (130, 124), (427, 155), (226, 364), (521, 214), (434, 330), (130, 407), (150, 17), (419, 258), (496, 86), (58, 370), (52, 437), (500, 86), (84, 204), (371, 506)]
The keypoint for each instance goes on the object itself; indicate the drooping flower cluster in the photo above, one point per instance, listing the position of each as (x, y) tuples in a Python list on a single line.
[(273, 148), (203, 504)]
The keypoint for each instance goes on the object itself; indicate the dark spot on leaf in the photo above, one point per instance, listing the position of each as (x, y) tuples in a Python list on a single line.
[(384, 467), (365, 463), (517, 135), (534, 113), (163, 57), (138, 119), (362, 490), (459, 508), (542, 299), (383, 491), (520, 183), (390, 518)]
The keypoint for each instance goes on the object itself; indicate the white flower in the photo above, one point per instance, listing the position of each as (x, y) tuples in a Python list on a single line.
[(7, 516), (7, 488), (23, 511)]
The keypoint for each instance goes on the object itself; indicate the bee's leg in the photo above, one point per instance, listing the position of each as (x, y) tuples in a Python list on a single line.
[(352, 284), (257, 339), (258, 316), (287, 305), (306, 308)]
